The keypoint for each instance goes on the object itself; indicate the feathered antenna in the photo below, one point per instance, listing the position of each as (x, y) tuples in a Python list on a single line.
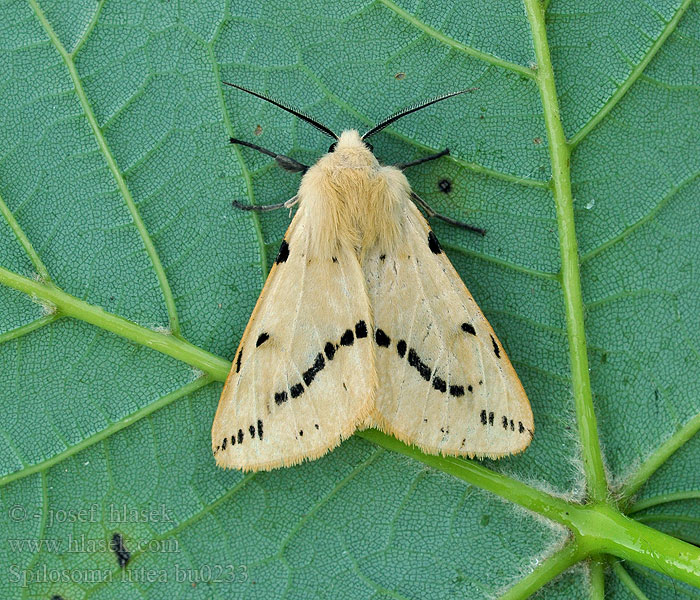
[(411, 109), (289, 109)]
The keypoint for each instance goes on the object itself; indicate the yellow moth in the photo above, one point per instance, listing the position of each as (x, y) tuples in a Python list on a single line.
[(363, 321)]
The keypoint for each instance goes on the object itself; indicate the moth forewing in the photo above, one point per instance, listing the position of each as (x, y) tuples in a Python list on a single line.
[(445, 382), (303, 376)]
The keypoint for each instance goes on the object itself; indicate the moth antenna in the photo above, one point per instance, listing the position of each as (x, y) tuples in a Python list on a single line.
[(289, 109), (412, 109)]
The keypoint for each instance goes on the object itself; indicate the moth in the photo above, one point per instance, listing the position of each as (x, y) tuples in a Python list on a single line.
[(364, 322)]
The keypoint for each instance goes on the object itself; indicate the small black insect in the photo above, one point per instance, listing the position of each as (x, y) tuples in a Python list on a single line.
[(117, 546), (445, 186)]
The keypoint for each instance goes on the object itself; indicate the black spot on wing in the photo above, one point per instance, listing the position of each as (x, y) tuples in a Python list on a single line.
[(252, 431), (439, 384), (283, 254), (308, 376), (347, 338), (496, 349), (521, 427), (491, 415), (505, 422), (382, 338), (483, 417), (238, 360), (335, 259), (468, 328), (223, 444), (401, 348), (262, 338), (260, 430), (415, 361), (382, 257), (456, 390), (240, 436), (433, 244), (311, 372)]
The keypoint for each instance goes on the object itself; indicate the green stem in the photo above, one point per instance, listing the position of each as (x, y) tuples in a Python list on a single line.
[(70, 306), (597, 575), (28, 327), (601, 529), (472, 472), (628, 582), (24, 241), (570, 274), (663, 499), (553, 566), (659, 457), (597, 528)]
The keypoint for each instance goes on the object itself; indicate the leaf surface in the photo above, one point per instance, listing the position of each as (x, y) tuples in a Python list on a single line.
[(126, 280)]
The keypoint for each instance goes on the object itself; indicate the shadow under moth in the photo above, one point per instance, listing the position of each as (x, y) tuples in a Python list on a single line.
[(364, 322)]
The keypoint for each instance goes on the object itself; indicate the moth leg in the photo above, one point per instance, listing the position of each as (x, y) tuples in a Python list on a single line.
[(265, 207), (431, 213), (286, 162), (420, 161)]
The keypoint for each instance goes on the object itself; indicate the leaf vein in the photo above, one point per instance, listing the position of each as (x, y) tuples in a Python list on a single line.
[(454, 44), (113, 167), (633, 76)]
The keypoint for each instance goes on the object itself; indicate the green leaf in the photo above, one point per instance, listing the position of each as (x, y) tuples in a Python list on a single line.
[(126, 280)]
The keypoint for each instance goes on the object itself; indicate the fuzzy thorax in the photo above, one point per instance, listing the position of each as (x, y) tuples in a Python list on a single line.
[(353, 199)]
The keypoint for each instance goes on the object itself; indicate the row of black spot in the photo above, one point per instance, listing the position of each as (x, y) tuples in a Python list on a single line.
[(383, 341), (489, 419), (346, 339), (240, 436), (329, 350)]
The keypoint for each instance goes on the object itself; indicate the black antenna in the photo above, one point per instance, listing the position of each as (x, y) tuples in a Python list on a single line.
[(289, 109), (411, 109)]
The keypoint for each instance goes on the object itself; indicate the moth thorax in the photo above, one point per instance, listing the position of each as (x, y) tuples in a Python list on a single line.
[(380, 210), (354, 208)]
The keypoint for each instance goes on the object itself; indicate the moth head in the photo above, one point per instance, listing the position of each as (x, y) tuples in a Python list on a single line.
[(350, 139), (351, 151)]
